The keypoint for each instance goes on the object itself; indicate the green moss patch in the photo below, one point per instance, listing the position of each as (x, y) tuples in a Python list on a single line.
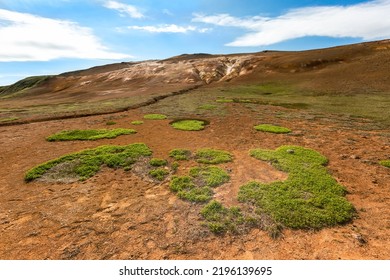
[(309, 199), (385, 163), (180, 154), (91, 134), (189, 125), (159, 173), (271, 128), (197, 187), (137, 122), (224, 100), (157, 162), (155, 117), (87, 163), (220, 219), (211, 156)]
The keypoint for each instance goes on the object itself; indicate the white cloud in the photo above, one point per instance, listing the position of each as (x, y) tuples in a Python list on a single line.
[(26, 37), (369, 21), (123, 9), (168, 28)]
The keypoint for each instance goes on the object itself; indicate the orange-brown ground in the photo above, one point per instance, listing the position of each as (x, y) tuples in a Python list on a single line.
[(117, 215)]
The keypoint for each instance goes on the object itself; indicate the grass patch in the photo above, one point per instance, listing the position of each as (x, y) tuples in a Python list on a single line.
[(110, 123), (272, 128), (87, 163), (385, 163), (207, 107), (137, 122), (157, 162), (8, 119), (91, 134), (210, 156), (180, 154), (309, 199), (189, 125), (220, 219), (197, 187), (155, 117), (159, 173)]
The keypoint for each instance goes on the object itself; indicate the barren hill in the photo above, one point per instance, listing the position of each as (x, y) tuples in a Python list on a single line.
[(359, 68)]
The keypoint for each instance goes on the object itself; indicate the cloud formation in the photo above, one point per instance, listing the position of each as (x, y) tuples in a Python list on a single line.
[(26, 37), (123, 9), (368, 21), (168, 28)]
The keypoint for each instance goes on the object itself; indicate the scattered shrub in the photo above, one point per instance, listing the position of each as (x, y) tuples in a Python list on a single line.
[(137, 122), (385, 163), (157, 162), (158, 173)]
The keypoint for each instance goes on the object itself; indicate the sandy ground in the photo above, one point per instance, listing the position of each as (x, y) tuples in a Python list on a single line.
[(118, 215)]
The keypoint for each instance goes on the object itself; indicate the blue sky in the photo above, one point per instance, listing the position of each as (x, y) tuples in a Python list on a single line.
[(40, 37)]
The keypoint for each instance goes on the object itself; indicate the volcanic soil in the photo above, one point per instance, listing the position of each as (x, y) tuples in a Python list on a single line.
[(120, 215)]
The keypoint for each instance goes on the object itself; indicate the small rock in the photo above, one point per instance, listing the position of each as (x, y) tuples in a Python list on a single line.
[(343, 157), (355, 157), (359, 238), (290, 151)]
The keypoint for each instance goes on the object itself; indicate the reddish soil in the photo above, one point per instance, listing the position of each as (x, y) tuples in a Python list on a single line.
[(118, 215)]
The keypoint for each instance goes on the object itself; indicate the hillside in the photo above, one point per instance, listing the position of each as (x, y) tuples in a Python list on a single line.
[(352, 69)]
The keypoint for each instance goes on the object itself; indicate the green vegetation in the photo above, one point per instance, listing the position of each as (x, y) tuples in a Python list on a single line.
[(221, 219), (70, 135), (110, 123), (198, 186), (22, 85), (137, 122), (157, 162), (211, 176), (271, 128), (207, 107), (10, 119), (155, 117), (159, 173), (385, 163), (175, 166), (180, 154), (189, 125), (210, 156), (309, 199), (87, 163)]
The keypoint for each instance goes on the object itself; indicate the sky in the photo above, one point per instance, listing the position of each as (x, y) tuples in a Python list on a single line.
[(39, 37)]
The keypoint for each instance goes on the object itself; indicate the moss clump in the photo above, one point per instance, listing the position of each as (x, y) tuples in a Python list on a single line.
[(207, 107), (137, 122), (198, 186), (180, 154), (211, 156), (157, 162), (91, 134), (87, 163), (385, 163), (155, 117), (309, 199), (159, 173), (211, 176), (220, 219), (189, 125), (272, 128)]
